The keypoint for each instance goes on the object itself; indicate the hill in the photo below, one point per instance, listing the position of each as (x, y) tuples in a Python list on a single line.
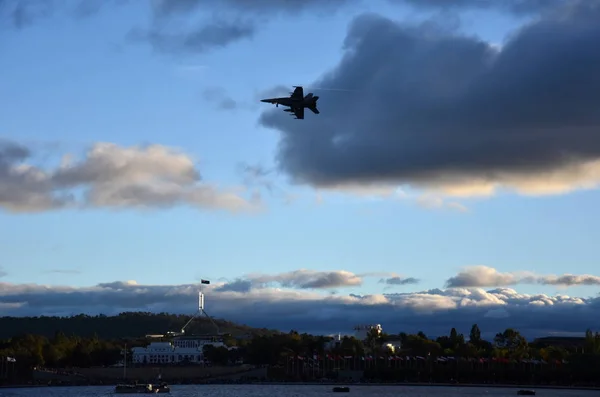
[(127, 324)]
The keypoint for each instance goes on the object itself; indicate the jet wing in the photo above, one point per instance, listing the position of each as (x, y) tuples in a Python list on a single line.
[(299, 112), (298, 93)]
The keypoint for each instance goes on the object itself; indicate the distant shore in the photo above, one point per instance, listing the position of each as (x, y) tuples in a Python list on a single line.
[(409, 384), (349, 384)]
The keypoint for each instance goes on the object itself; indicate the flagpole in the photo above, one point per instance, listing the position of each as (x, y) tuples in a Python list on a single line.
[(125, 362)]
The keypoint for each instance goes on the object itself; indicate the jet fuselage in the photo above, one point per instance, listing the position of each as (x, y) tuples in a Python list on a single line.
[(308, 101), (296, 102)]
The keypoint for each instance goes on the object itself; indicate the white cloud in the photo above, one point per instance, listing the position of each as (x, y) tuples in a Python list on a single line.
[(380, 192), (485, 276), (583, 175), (111, 176), (433, 311), (430, 201), (302, 279)]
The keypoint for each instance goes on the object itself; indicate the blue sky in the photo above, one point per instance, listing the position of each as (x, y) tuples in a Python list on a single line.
[(68, 83)]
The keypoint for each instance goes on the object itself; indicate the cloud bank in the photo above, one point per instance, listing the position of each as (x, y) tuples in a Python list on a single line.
[(219, 23), (110, 176), (397, 280), (513, 6), (193, 26), (176, 27), (297, 300), (21, 14), (485, 276), (453, 114)]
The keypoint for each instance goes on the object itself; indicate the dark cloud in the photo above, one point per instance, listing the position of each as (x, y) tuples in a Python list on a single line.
[(433, 311), (236, 286), (12, 151), (87, 8), (176, 26), (225, 22), (110, 176), (571, 279), (165, 8), (24, 13), (453, 113), (203, 38), (169, 8), (485, 276), (515, 6), (399, 280)]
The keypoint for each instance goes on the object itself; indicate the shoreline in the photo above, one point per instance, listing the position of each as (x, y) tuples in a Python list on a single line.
[(409, 384), (349, 384)]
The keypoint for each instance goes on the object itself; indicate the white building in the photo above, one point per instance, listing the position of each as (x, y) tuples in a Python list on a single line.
[(362, 331), (335, 342), (182, 349), (393, 346)]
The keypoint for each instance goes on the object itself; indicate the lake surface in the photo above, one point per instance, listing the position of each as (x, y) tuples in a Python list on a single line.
[(297, 391)]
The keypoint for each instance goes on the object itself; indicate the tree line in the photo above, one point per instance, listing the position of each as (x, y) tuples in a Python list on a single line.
[(53, 342), (126, 324)]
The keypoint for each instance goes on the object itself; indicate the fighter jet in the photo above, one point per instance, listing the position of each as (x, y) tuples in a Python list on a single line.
[(296, 102)]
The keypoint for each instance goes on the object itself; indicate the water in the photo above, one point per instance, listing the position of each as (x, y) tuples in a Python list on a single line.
[(296, 391)]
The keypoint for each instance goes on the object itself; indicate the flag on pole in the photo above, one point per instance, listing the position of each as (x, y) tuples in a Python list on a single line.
[(204, 281)]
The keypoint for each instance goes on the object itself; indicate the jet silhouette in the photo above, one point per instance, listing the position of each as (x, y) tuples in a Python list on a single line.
[(296, 102)]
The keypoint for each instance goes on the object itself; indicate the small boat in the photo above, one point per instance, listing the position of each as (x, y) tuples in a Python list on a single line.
[(161, 388), (526, 392), (140, 388), (341, 389), (133, 388)]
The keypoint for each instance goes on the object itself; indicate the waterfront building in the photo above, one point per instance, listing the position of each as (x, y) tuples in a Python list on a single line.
[(181, 349)]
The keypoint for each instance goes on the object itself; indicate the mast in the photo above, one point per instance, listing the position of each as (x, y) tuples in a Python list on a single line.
[(201, 310), (125, 362)]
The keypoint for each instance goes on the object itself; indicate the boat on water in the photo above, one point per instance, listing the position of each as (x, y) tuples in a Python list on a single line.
[(341, 389), (162, 388), (526, 392), (135, 389), (142, 388)]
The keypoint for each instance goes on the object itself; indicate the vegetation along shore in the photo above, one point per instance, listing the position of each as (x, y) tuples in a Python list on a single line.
[(88, 349)]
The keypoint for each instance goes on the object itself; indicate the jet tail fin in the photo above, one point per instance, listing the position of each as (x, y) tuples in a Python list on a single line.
[(314, 109)]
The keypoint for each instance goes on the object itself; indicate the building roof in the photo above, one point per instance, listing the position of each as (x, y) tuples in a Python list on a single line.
[(197, 337)]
